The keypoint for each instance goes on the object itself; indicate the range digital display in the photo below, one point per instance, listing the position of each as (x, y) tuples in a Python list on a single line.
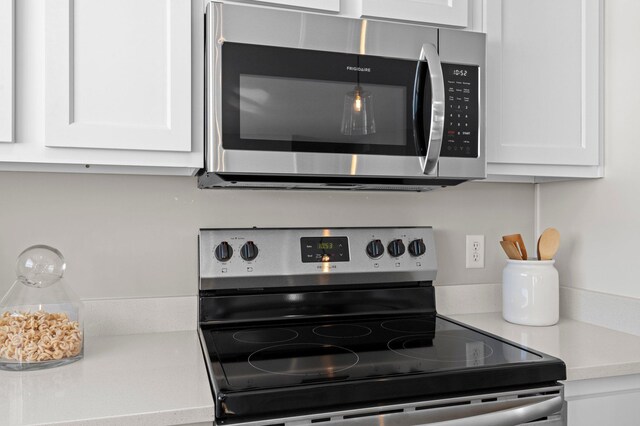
[(324, 249), (324, 246)]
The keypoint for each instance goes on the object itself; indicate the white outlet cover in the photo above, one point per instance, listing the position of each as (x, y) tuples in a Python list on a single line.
[(475, 251)]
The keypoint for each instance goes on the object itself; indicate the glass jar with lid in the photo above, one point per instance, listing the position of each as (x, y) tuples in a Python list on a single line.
[(40, 316)]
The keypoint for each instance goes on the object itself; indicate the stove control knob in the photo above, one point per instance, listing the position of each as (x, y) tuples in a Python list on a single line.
[(417, 247), (249, 250), (375, 249), (223, 251), (396, 248)]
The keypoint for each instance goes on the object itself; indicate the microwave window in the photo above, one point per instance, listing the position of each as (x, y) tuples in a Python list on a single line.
[(305, 110)]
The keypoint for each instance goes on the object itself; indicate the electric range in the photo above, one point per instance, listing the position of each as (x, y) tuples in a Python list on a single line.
[(301, 326)]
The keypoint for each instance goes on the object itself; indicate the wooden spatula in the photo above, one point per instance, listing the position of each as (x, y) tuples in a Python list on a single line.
[(512, 251), (517, 238), (548, 244)]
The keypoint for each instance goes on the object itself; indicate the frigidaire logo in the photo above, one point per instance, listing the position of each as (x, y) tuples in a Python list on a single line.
[(359, 69)]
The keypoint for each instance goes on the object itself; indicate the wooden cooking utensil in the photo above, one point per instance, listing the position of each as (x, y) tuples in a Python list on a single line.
[(548, 244), (517, 238), (512, 251)]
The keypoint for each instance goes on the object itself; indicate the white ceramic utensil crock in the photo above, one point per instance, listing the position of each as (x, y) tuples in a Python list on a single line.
[(530, 292)]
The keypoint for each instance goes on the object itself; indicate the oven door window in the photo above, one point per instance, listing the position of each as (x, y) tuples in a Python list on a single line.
[(295, 100)]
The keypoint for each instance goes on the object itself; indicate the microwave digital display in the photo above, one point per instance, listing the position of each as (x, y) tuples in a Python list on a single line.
[(457, 72)]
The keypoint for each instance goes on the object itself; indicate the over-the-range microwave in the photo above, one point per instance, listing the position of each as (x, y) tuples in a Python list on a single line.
[(304, 100)]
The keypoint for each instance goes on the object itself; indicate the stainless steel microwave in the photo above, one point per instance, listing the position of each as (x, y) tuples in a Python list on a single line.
[(303, 100)]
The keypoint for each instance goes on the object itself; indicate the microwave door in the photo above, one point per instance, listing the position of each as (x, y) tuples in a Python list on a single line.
[(305, 112), (429, 112)]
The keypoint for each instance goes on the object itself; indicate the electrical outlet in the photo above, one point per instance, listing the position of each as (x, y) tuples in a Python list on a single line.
[(475, 251)]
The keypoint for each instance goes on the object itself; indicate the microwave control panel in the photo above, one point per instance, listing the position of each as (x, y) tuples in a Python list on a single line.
[(461, 87)]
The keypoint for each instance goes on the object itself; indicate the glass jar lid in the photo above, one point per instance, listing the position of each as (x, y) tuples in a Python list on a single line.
[(40, 266)]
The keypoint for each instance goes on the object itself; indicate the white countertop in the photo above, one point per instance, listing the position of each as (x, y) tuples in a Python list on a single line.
[(141, 379), (160, 378), (588, 351)]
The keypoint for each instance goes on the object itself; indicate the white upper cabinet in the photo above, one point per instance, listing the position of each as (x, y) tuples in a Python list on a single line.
[(452, 13), (438, 12), (544, 88), (118, 74), (105, 86), (6, 70), (321, 5)]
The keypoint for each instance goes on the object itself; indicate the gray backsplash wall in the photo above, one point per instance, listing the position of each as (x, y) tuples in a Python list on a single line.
[(136, 236)]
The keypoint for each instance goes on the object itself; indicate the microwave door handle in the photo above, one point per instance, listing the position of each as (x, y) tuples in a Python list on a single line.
[(436, 128)]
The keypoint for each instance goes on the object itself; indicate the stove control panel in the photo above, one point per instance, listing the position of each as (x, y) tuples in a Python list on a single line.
[(255, 257)]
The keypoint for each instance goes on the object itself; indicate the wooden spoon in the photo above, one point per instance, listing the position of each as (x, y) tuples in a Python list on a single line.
[(512, 251), (548, 244), (517, 238)]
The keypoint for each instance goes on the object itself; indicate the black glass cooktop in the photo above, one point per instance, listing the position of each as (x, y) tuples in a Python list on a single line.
[(368, 359)]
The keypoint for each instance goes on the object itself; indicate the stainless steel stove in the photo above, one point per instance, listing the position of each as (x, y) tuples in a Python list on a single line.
[(339, 326)]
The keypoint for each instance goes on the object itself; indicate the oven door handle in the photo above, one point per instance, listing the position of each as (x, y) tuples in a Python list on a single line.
[(509, 417), (429, 54), (500, 413)]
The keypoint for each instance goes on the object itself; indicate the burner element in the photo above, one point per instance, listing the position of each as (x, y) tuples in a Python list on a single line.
[(342, 331), (303, 359), (410, 325), (441, 348), (265, 335)]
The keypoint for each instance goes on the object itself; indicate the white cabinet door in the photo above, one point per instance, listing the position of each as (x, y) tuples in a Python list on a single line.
[(324, 5), (118, 74), (438, 12), (544, 70), (603, 401), (7, 17)]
